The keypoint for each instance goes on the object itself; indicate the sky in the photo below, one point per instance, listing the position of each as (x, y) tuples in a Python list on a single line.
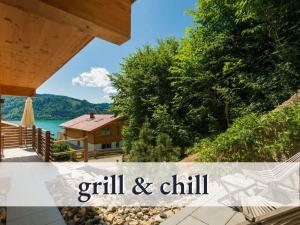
[(85, 75)]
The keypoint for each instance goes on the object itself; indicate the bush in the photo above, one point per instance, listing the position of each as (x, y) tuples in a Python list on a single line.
[(274, 136), (61, 147)]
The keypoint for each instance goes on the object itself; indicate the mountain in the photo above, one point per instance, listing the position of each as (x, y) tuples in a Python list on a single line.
[(51, 107)]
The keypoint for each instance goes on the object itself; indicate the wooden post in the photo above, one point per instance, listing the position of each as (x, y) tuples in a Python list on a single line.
[(20, 136), (1, 137), (86, 149), (34, 137), (39, 140), (95, 150), (47, 146)]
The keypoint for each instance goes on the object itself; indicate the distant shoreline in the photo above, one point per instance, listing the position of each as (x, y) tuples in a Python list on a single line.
[(51, 107)]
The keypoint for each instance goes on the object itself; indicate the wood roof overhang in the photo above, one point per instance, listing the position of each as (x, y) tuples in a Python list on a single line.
[(37, 37)]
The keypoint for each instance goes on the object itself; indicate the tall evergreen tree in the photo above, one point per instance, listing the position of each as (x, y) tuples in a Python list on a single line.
[(142, 149), (164, 149)]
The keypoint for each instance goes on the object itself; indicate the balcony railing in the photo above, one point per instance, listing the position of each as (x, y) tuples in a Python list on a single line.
[(41, 142), (16, 136)]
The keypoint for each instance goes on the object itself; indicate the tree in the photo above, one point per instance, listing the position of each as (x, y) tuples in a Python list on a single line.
[(142, 149), (144, 91), (241, 57), (164, 149), (149, 148)]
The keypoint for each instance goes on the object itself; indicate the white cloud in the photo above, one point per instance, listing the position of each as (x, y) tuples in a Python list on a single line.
[(110, 90), (96, 77), (106, 98)]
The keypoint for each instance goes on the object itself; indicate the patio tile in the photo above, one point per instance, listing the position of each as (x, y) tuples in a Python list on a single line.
[(180, 216), (20, 155), (191, 221), (214, 215), (236, 219), (19, 212), (59, 222), (46, 216)]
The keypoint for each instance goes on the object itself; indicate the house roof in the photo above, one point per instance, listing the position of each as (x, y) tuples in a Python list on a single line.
[(85, 123), (37, 37)]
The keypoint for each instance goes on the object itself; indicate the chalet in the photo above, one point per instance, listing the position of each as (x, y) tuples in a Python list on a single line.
[(103, 131)]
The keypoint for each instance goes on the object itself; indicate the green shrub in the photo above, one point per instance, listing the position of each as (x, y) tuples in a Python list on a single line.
[(61, 147), (274, 136)]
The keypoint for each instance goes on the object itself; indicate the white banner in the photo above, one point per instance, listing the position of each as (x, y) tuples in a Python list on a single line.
[(149, 184)]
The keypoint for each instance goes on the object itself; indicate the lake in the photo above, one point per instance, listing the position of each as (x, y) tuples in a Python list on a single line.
[(50, 125)]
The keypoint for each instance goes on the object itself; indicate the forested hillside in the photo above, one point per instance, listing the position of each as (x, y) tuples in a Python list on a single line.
[(241, 58), (50, 107)]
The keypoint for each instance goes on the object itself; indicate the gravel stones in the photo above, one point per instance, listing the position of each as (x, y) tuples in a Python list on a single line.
[(117, 215)]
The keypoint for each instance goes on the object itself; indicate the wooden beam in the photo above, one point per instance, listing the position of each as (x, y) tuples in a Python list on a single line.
[(106, 19), (86, 149), (47, 146), (14, 90)]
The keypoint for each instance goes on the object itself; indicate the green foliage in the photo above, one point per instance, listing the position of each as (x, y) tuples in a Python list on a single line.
[(144, 91), (149, 148), (269, 137), (61, 147), (164, 149), (142, 149), (51, 107), (241, 57)]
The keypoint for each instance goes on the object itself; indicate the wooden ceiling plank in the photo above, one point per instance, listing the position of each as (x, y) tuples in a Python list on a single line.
[(37, 37), (34, 48), (106, 19)]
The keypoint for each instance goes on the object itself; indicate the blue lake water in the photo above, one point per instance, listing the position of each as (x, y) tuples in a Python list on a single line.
[(49, 125)]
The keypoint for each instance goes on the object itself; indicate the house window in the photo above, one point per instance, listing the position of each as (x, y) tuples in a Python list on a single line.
[(106, 146), (105, 132), (117, 144)]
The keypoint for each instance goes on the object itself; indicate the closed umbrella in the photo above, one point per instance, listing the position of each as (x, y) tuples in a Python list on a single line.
[(28, 116)]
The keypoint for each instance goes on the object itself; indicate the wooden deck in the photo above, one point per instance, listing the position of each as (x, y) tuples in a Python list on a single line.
[(30, 215)]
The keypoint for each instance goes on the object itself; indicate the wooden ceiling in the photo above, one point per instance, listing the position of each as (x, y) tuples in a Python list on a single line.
[(37, 37)]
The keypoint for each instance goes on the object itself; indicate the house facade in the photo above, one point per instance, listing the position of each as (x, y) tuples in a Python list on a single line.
[(103, 131)]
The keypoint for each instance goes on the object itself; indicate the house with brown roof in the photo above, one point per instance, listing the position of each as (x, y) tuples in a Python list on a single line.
[(103, 131)]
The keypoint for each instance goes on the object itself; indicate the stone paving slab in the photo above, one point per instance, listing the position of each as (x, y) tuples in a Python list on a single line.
[(30, 215), (20, 155), (214, 215), (236, 219), (180, 216), (191, 221), (206, 215), (34, 216)]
